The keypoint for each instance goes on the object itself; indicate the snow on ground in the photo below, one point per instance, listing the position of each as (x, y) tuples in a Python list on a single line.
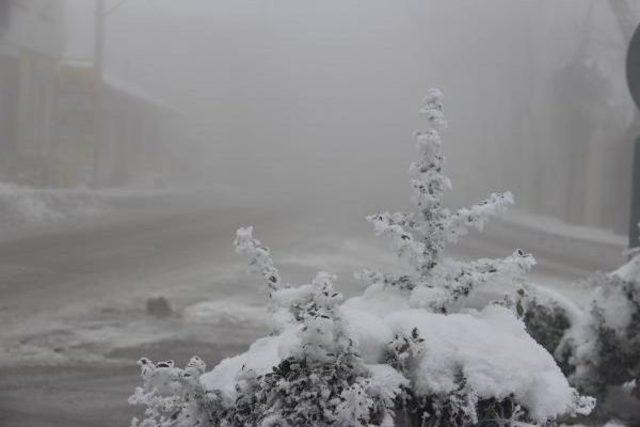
[(97, 331), (26, 211), (76, 300), (212, 301), (22, 206), (210, 298)]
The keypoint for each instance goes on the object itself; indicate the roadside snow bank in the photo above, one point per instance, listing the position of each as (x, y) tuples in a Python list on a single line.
[(21, 206), (24, 208)]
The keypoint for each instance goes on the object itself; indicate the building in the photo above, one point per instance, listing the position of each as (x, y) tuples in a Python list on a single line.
[(49, 116), (32, 37), (134, 142), (74, 141)]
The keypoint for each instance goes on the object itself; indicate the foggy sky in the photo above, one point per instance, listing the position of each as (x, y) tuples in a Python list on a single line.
[(318, 100)]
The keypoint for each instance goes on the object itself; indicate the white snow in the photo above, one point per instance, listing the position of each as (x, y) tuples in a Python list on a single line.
[(263, 354), (630, 271), (224, 311), (32, 210), (20, 205), (490, 348), (617, 310)]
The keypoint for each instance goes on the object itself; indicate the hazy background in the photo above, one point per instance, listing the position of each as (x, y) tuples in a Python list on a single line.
[(317, 100), (123, 180)]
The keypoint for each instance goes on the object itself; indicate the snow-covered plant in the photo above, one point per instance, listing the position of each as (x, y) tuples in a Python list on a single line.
[(406, 352), (596, 347), (547, 318), (433, 281), (260, 260), (173, 396), (323, 380), (460, 406), (604, 348)]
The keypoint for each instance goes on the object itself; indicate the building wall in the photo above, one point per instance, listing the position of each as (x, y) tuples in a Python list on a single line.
[(31, 44), (74, 124), (130, 145), (9, 78), (138, 141)]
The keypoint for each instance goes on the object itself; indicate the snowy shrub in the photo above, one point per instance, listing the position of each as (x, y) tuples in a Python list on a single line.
[(632, 388), (546, 323), (173, 396), (408, 351), (434, 282), (548, 318), (598, 347), (604, 348)]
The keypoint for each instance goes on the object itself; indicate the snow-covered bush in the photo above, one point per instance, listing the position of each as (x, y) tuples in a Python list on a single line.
[(408, 351), (434, 282), (173, 396), (548, 317), (546, 322), (603, 349), (599, 346)]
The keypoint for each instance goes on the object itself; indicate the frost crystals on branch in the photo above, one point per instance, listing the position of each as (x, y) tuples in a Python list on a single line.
[(259, 257), (437, 282)]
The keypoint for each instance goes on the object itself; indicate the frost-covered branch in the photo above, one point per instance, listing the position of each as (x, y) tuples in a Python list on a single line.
[(173, 396), (468, 276), (454, 280), (404, 350), (423, 240), (477, 215), (322, 334), (396, 228), (260, 260)]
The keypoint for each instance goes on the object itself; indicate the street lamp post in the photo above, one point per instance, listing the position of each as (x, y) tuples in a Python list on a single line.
[(633, 80)]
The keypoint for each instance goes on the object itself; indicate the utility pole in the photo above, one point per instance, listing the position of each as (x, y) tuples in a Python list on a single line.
[(98, 71), (100, 16)]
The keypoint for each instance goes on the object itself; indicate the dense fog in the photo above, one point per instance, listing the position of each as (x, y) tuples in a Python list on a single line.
[(327, 93), (136, 136)]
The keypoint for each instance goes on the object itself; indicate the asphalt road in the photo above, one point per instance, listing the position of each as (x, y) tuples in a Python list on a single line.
[(95, 279), (72, 302)]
